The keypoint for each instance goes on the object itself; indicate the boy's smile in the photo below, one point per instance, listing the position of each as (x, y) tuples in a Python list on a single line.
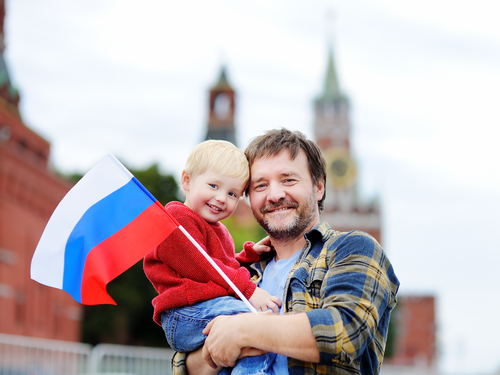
[(212, 195)]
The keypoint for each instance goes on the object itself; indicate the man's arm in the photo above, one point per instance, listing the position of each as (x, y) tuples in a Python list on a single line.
[(357, 293), (195, 364), (289, 335)]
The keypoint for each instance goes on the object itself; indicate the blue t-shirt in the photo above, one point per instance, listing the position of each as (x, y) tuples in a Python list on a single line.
[(273, 281)]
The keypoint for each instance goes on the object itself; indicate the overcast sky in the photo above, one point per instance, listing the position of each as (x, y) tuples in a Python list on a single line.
[(423, 77)]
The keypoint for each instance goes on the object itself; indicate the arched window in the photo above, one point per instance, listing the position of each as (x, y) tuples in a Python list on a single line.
[(222, 106)]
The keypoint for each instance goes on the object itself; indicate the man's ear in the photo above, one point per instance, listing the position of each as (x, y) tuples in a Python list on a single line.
[(185, 180), (320, 190)]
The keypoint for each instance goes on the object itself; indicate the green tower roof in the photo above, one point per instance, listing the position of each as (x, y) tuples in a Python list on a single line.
[(223, 82), (331, 90)]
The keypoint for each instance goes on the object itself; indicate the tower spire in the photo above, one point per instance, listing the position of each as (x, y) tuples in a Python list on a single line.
[(331, 90), (223, 82)]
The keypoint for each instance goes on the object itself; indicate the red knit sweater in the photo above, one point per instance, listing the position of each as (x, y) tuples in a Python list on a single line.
[(180, 273)]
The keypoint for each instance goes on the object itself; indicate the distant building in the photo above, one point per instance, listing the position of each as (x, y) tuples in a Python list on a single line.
[(415, 332), (344, 210), (221, 110), (413, 321), (29, 193)]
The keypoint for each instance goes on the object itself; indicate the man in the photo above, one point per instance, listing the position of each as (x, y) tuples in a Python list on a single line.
[(339, 289)]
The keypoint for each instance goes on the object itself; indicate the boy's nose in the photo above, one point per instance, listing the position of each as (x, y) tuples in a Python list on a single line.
[(220, 197)]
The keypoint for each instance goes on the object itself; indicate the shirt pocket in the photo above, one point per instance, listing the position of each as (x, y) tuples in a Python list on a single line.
[(306, 288)]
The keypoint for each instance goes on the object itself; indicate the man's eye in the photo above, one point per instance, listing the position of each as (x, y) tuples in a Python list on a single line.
[(259, 187), (290, 181)]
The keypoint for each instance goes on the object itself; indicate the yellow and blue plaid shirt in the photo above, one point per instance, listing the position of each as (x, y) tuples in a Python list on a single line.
[(346, 285)]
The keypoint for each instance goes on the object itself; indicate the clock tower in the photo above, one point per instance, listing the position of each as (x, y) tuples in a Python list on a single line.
[(221, 110), (344, 211)]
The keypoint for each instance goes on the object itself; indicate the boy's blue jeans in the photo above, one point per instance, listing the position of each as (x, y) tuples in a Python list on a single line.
[(183, 328)]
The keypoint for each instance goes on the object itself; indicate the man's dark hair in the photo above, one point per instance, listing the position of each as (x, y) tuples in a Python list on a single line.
[(277, 140)]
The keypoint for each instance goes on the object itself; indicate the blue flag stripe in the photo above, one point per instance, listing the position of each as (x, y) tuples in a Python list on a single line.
[(99, 222)]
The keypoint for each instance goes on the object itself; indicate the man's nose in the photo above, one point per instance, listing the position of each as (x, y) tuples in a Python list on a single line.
[(276, 192)]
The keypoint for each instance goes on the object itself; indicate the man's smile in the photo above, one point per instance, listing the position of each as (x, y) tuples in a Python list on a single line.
[(279, 207)]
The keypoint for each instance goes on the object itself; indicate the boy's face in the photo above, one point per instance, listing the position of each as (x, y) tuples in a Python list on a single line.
[(212, 195)]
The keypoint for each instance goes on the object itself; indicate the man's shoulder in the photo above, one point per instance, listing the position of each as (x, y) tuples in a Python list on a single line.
[(333, 239)]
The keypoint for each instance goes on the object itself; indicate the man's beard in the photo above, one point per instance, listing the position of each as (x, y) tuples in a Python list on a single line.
[(279, 230)]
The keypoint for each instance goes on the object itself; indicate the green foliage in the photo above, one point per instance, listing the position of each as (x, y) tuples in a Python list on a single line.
[(163, 187), (390, 347), (130, 322), (243, 232), (73, 177)]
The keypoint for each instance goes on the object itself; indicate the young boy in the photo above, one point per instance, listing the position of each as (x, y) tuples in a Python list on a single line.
[(190, 291)]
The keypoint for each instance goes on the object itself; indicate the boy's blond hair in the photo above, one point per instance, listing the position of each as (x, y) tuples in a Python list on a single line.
[(220, 156)]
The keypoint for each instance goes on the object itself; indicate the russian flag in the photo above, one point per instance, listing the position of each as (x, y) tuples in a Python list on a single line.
[(104, 225)]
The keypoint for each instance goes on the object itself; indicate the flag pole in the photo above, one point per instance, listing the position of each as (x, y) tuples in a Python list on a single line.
[(217, 268)]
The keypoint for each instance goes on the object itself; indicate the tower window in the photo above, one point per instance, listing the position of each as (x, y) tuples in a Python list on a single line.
[(222, 106)]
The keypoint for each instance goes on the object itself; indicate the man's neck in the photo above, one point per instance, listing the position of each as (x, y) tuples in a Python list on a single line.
[(285, 249)]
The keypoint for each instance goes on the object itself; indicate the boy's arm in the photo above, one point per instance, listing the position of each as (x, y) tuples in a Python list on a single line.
[(248, 255), (253, 252), (180, 254)]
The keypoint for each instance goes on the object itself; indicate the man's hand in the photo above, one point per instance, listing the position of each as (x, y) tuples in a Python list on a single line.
[(262, 300), (230, 336), (223, 346)]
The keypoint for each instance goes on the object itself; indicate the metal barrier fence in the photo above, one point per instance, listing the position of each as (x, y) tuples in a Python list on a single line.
[(21, 355), (107, 359)]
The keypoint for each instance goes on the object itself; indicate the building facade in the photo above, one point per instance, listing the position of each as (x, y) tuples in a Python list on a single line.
[(29, 193)]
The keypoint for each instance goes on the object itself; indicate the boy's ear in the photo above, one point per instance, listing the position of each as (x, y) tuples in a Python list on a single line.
[(185, 179)]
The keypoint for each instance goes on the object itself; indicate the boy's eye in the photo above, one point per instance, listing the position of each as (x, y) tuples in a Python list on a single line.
[(213, 186), (233, 195)]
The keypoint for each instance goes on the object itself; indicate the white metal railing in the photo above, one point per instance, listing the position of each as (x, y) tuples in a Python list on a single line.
[(21, 355), (120, 359)]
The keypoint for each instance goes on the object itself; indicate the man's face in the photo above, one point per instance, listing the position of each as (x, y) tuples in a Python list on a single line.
[(283, 198)]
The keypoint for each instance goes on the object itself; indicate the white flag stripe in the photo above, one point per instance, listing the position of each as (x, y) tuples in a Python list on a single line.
[(104, 178)]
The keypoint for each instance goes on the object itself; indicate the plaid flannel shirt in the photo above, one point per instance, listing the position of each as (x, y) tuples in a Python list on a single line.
[(346, 285)]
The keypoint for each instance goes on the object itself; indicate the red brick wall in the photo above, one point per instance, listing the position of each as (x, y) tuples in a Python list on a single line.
[(415, 331), (29, 193)]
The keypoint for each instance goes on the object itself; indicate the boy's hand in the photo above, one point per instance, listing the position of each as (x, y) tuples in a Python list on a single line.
[(263, 246), (262, 301)]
